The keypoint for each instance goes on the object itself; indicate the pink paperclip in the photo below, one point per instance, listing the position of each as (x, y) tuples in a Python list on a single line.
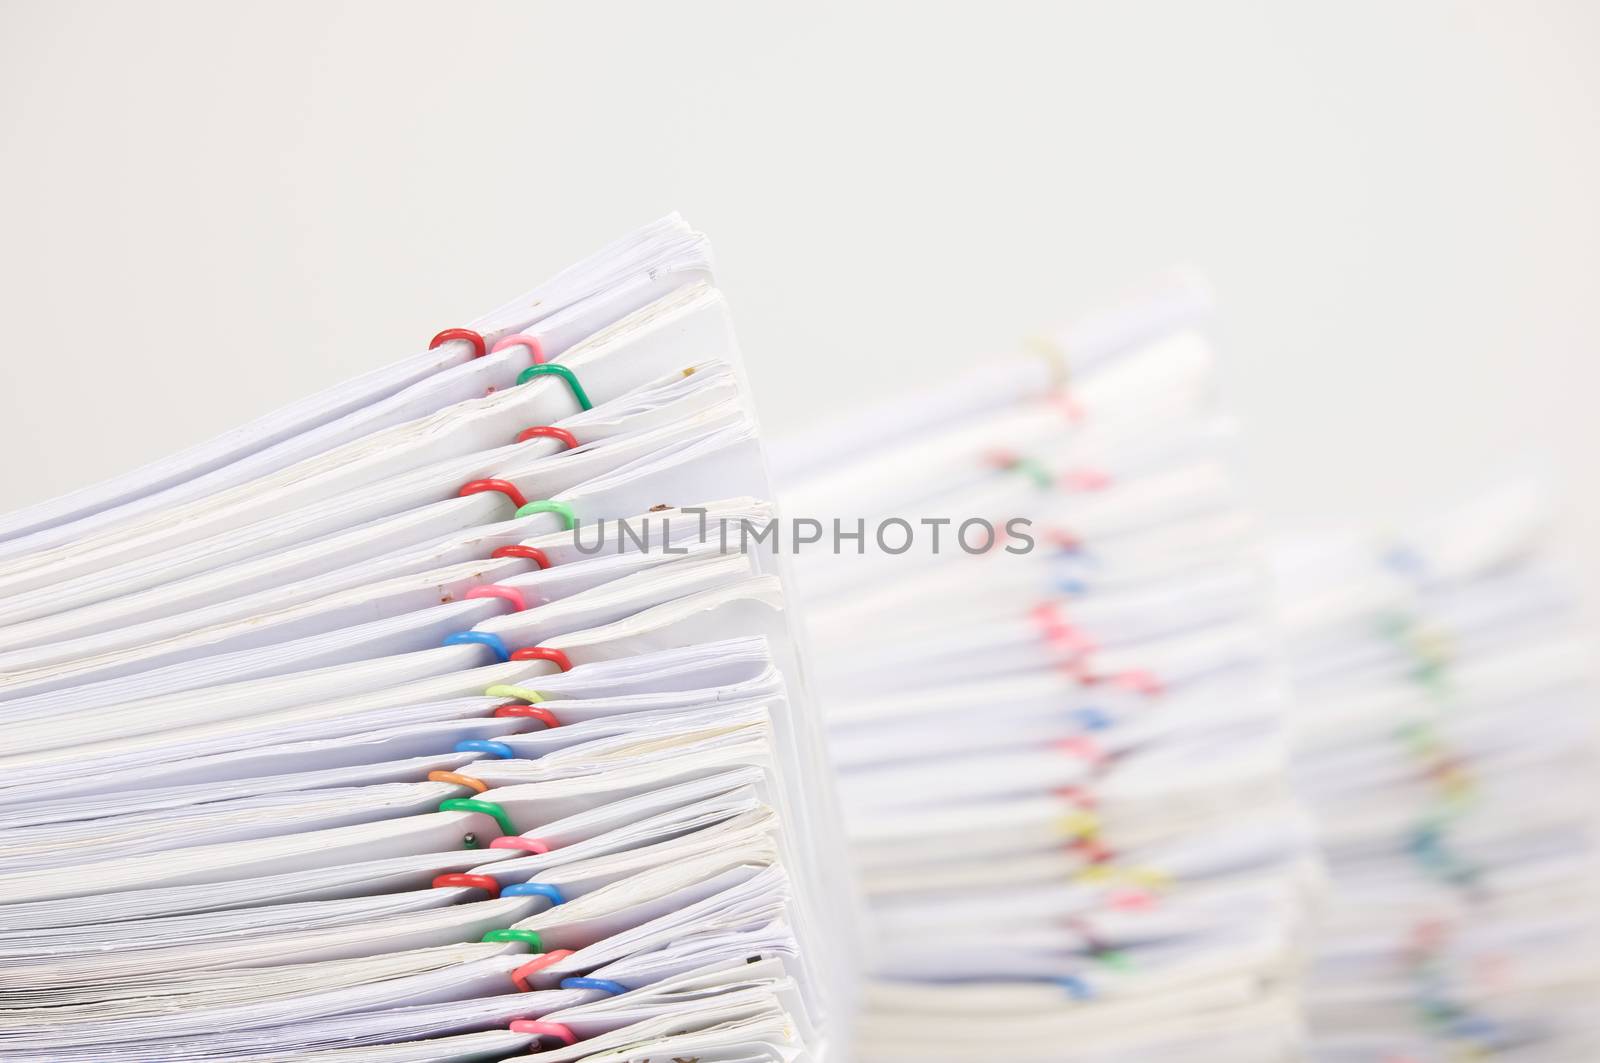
[(535, 348), (496, 590)]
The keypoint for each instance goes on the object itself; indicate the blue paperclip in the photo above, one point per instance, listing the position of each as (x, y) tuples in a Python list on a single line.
[(483, 745), (534, 889), (1092, 719), (605, 985), (1405, 561), (1076, 986), (482, 638)]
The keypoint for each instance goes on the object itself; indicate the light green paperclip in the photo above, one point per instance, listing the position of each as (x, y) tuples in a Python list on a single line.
[(547, 506), (501, 691)]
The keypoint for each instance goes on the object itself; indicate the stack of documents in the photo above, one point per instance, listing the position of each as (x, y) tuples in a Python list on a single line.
[(1444, 738), (365, 732), (1043, 650)]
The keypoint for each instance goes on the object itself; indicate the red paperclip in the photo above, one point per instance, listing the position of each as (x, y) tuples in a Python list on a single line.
[(1078, 795), (1092, 849), (544, 1029), (541, 653), (532, 712), (535, 965), (505, 487), (482, 882), (527, 553), (546, 432), (1064, 540), (479, 348), (1060, 633)]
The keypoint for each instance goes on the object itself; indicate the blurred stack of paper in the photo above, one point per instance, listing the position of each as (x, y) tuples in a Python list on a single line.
[(1061, 751), (322, 741), (1444, 738)]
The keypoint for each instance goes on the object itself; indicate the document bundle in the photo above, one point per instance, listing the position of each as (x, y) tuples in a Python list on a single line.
[(1444, 740), (428, 719), (463, 713), (1045, 658)]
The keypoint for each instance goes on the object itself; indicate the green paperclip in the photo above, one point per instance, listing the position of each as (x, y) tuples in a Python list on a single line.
[(532, 697), (527, 937), (547, 506), (1038, 473), (487, 808), (564, 373), (1115, 959)]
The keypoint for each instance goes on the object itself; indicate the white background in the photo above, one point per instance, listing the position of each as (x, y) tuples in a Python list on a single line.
[(208, 209)]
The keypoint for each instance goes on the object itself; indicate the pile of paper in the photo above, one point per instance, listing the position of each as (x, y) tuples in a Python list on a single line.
[(1444, 738), (331, 740), (1061, 748)]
